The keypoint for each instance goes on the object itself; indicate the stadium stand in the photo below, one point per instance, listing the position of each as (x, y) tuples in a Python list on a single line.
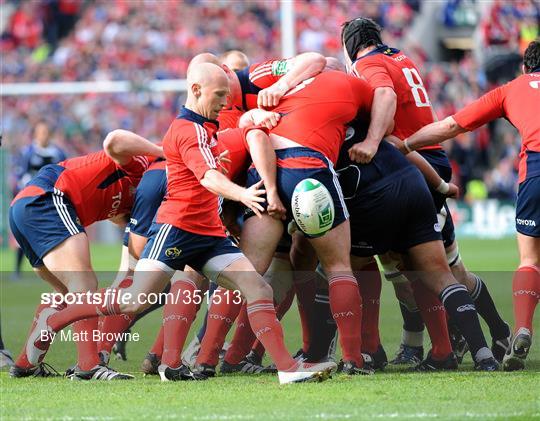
[(140, 41)]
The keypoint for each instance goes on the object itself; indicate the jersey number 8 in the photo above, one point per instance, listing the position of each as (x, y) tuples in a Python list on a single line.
[(415, 82)]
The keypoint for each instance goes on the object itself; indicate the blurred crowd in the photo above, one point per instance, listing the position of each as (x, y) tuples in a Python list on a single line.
[(72, 40)]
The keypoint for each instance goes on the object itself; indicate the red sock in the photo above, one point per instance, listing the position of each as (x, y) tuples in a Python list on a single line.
[(305, 296), (221, 316), (526, 293), (281, 310), (242, 340), (111, 326), (106, 303), (157, 348), (177, 319), (346, 307), (22, 360), (86, 347), (434, 316), (370, 290), (263, 321)]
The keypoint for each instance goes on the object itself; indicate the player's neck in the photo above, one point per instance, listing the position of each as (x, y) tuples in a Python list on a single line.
[(365, 51), (192, 106)]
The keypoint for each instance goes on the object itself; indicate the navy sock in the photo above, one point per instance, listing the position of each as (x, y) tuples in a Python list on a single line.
[(486, 308), (462, 312), (412, 320), (324, 325)]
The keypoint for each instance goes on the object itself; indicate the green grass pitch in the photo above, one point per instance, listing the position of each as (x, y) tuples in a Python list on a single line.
[(394, 394)]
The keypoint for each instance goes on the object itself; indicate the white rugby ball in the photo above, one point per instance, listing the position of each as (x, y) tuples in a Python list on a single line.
[(312, 207)]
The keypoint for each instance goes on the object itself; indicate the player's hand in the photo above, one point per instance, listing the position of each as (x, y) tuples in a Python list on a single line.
[(275, 207), (223, 159), (270, 96), (268, 119), (251, 198), (363, 152), (453, 191)]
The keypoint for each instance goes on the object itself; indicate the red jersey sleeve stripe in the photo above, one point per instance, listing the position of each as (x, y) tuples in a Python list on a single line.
[(261, 68), (202, 138), (269, 73), (263, 71)]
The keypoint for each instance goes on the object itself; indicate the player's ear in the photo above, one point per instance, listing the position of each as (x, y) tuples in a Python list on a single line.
[(196, 90), (524, 69)]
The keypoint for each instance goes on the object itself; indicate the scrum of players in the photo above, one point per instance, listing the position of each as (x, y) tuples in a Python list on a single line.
[(209, 211)]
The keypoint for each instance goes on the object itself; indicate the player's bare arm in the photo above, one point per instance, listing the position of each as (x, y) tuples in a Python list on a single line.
[(219, 184), (264, 158), (122, 145), (382, 117), (302, 67), (432, 134)]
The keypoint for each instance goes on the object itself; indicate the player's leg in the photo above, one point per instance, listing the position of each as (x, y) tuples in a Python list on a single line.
[(367, 272), (222, 313), (246, 352), (241, 275), (411, 348), (152, 276), (333, 250), (499, 330), (428, 260), (526, 294), (303, 259), (178, 315), (259, 249)]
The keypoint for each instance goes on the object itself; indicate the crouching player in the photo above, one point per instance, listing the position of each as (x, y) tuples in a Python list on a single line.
[(517, 101), (48, 218), (188, 231)]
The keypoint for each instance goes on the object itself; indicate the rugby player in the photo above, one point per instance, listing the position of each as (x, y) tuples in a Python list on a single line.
[(190, 231), (48, 218), (235, 60), (401, 96), (517, 101)]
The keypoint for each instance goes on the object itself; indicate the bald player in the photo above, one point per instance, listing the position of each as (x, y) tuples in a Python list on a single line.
[(188, 230), (235, 60)]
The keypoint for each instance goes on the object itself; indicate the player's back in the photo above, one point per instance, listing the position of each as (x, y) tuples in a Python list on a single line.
[(98, 187), (388, 67), (314, 113)]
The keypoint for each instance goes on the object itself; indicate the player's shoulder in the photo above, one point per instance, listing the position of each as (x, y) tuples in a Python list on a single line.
[(528, 80)]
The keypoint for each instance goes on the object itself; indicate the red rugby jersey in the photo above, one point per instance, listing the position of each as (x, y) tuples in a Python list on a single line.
[(388, 67), (519, 102), (189, 147), (314, 114)]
